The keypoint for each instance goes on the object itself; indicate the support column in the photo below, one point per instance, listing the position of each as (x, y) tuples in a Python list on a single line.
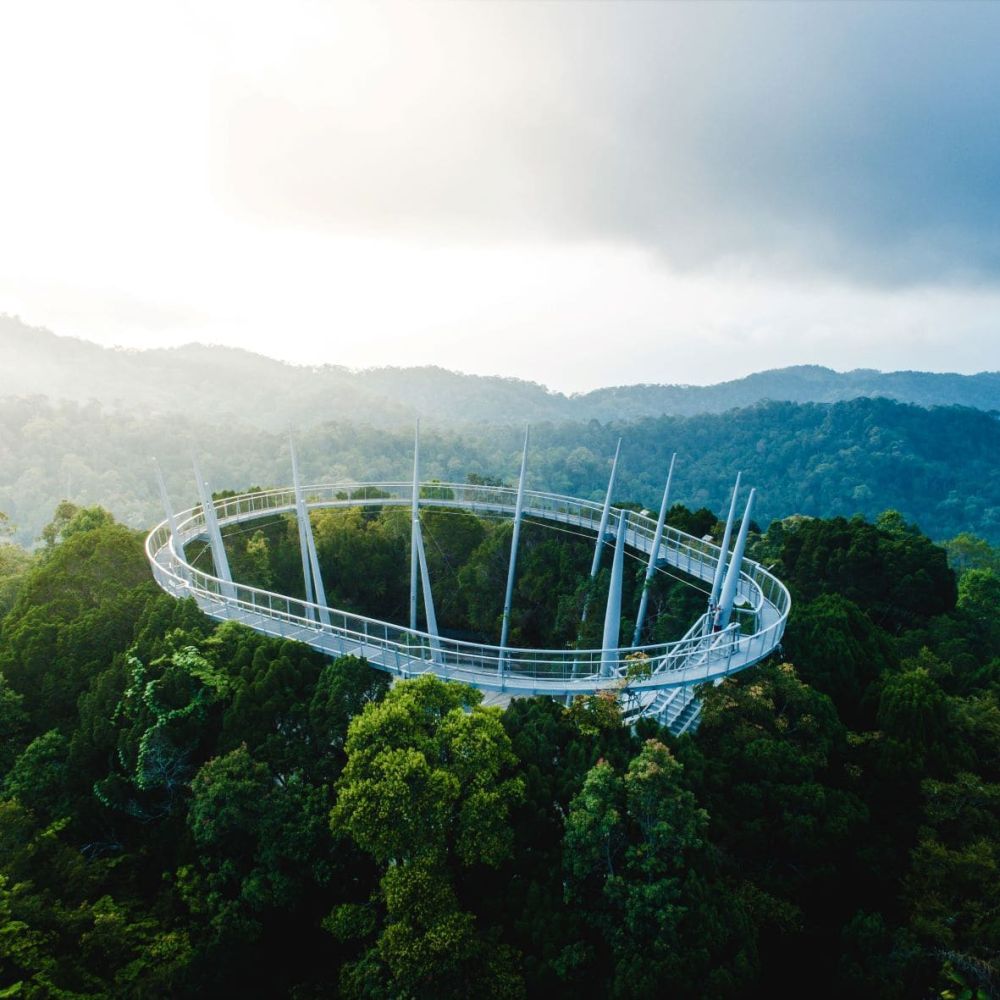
[(315, 591), (654, 554), (214, 533), (425, 577), (418, 557), (602, 530), (720, 568), (300, 521), (512, 568), (169, 511), (414, 527), (728, 594), (613, 614)]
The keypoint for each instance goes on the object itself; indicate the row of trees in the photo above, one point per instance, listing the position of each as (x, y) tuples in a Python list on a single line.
[(193, 809)]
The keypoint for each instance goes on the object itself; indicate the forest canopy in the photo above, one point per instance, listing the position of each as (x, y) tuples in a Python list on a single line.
[(190, 809), (936, 466)]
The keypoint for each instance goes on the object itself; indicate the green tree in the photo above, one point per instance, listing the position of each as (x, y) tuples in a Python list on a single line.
[(38, 777), (14, 563), (966, 551), (837, 650), (345, 686), (70, 520), (637, 861), (899, 577), (953, 887), (595, 828), (74, 609), (163, 720), (261, 844), (771, 760), (13, 723), (427, 788), (912, 706), (979, 599)]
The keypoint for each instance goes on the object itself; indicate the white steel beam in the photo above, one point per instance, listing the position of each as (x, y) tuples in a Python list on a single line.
[(613, 613), (728, 595), (603, 529), (654, 554), (214, 533), (720, 569), (315, 591), (414, 527), (425, 577), (512, 568), (169, 510)]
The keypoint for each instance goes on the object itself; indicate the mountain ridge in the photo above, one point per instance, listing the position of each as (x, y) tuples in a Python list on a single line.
[(225, 383)]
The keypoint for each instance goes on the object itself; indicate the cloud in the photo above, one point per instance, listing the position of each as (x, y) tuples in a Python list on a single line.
[(853, 139), (576, 193)]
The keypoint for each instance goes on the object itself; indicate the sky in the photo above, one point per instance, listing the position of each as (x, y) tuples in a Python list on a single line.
[(579, 194)]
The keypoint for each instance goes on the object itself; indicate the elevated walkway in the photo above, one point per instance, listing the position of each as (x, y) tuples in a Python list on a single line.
[(662, 675)]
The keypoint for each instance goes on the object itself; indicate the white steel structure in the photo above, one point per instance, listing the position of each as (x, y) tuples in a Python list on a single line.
[(659, 679)]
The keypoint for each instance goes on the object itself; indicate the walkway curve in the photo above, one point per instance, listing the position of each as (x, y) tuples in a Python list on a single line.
[(756, 630)]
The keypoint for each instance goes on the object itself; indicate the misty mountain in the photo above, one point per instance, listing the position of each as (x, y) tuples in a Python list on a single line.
[(231, 385)]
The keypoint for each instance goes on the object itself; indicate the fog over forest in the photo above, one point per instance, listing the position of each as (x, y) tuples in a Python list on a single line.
[(81, 422)]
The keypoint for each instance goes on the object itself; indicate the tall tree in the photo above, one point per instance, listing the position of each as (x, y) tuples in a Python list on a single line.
[(638, 862), (426, 791)]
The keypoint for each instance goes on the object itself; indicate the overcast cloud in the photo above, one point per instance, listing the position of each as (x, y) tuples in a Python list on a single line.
[(863, 139), (511, 188)]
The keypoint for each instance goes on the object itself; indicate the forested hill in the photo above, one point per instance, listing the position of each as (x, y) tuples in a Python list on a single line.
[(226, 384), (937, 466)]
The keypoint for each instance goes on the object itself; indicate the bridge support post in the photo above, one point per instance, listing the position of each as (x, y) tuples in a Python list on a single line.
[(613, 613), (512, 568), (414, 527), (720, 569), (315, 591), (303, 547), (728, 594), (432, 625), (169, 511), (418, 557), (654, 554), (214, 533), (602, 530)]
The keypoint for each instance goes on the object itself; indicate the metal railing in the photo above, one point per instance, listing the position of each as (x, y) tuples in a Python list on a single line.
[(700, 656)]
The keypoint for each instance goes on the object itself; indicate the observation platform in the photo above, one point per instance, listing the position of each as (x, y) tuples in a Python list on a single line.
[(660, 677)]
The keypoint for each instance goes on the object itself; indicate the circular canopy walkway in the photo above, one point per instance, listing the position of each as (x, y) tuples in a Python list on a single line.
[(661, 676)]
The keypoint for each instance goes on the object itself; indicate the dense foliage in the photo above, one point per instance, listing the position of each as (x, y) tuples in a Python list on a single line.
[(191, 809)]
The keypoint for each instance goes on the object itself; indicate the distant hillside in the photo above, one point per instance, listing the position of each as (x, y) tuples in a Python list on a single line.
[(225, 384), (937, 466), (798, 384)]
